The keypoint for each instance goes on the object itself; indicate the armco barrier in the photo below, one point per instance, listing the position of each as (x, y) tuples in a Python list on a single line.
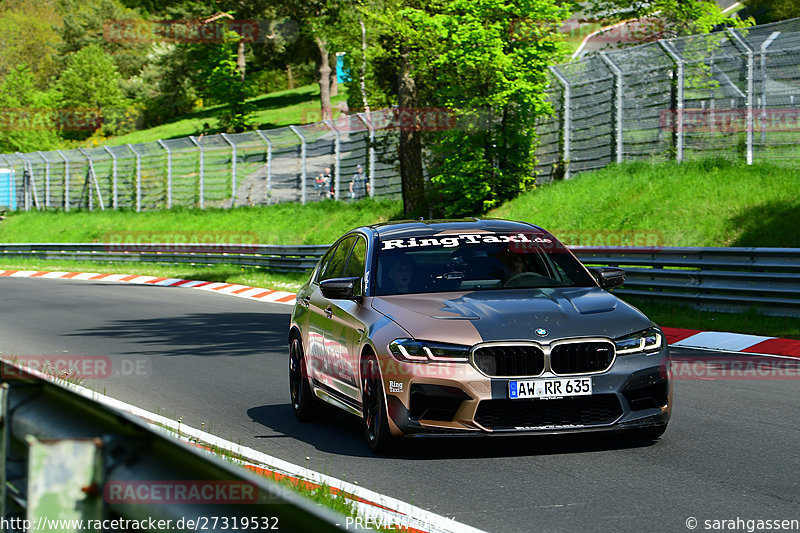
[(66, 457), (721, 278)]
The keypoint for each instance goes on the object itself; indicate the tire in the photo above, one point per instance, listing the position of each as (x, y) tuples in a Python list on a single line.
[(374, 414), (305, 405)]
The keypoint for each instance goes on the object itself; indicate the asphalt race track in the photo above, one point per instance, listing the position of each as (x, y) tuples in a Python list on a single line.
[(732, 449)]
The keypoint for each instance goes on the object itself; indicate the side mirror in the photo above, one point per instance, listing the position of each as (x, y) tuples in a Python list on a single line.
[(608, 277), (341, 288)]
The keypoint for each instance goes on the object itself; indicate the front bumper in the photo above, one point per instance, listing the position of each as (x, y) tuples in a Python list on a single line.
[(456, 399)]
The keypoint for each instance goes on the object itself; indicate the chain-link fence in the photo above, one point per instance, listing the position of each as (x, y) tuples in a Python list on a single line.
[(292, 164), (733, 93)]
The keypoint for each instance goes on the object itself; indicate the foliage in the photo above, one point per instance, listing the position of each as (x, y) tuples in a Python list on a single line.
[(91, 83), (664, 18), (29, 119), (772, 10), (28, 33)]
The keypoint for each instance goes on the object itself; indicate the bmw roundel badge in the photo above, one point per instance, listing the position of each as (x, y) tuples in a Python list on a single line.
[(541, 332)]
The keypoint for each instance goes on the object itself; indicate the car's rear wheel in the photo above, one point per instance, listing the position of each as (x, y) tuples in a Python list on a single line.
[(374, 415), (305, 405)]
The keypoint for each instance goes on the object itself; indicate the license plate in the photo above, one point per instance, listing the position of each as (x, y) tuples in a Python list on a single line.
[(549, 388)]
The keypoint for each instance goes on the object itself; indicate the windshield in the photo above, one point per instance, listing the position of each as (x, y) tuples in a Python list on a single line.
[(475, 261)]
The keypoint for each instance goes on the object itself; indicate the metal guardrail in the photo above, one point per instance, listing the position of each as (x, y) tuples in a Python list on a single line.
[(66, 457), (719, 278)]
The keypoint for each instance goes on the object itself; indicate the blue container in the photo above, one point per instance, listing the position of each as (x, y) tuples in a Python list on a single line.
[(342, 74), (8, 191)]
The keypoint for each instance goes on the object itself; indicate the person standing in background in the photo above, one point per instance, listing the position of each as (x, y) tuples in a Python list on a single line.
[(359, 184)]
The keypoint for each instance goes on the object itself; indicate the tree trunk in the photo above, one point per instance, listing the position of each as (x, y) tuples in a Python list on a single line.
[(334, 77), (289, 77), (324, 72), (410, 142), (241, 62), (363, 80)]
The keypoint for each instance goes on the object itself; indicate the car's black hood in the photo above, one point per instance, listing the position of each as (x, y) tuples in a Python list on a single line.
[(513, 314)]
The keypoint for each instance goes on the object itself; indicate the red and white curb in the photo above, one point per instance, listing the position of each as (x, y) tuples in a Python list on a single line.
[(680, 338), (732, 342), (231, 289)]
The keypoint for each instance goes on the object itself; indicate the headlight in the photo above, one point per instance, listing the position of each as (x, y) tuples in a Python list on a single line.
[(414, 351), (646, 341)]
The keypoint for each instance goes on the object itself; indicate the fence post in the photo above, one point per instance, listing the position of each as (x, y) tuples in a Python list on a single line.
[(27, 179), (94, 180), (371, 150), (66, 179), (337, 156), (46, 179), (113, 177), (617, 104), (741, 43), (774, 35), (269, 163), (679, 98), (566, 119), (202, 171), (138, 178), (169, 172), (302, 164), (233, 169)]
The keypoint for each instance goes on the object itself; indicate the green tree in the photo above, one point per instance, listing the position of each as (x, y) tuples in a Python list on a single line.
[(29, 119), (469, 86), (28, 32), (664, 18), (766, 11), (91, 83)]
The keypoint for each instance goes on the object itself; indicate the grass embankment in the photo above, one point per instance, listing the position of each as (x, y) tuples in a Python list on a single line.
[(710, 203), (273, 110)]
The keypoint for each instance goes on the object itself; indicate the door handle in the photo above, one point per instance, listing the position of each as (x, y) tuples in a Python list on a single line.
[(305, 300), (329, 311)]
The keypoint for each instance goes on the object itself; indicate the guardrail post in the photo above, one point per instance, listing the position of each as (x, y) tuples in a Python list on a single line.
[(269, 163), (742, 44), (233, 169), (113, 178), (138, 177), (566, 119), (337, 157), (617, 104), (66, 179), (202, 171), (302, 163), (367, 121), (774, 35), (679, 84), (60, 476), (169, 173)]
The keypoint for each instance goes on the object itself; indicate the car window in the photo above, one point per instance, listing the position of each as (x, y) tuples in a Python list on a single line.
[(334, 267), (355, 265)]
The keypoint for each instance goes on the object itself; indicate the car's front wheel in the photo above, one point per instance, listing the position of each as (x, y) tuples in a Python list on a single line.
[(305, 406), (374, 415)]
